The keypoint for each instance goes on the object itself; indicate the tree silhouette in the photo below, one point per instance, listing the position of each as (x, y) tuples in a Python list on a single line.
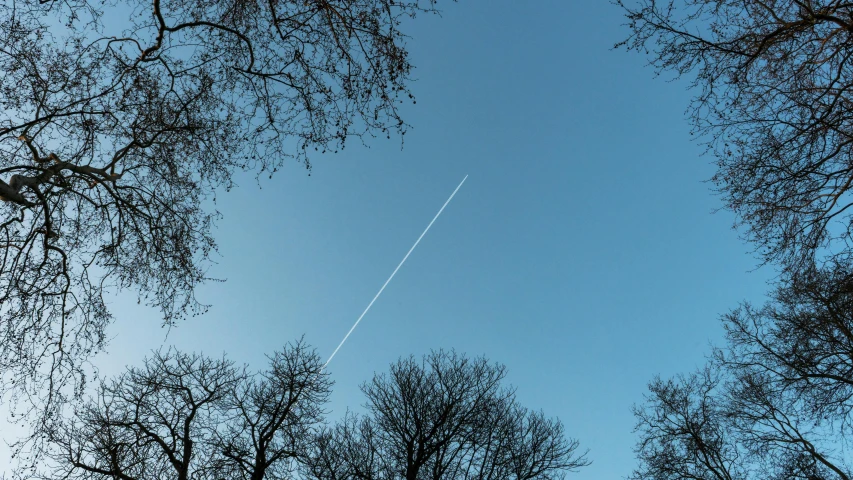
[(444, 418), (115, 135), (774, 403), (187, 416), (773, 99)]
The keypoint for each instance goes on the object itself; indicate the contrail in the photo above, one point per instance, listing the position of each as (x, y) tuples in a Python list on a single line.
[(393, 273)]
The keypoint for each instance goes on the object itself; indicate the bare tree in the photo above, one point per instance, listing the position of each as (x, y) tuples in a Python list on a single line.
[(113, 135), (773, 81), (775, 403), (275, 415), (446, 417), (185, 416), (683, 433), (149, 422)]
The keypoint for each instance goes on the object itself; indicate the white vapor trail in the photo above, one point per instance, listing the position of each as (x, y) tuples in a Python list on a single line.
[(392, 274)]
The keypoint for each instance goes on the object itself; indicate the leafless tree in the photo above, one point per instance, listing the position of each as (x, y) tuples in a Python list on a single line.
[(683, 433), (275, 415), (186, 416), (446, 417), (773, 81), (115, 135), (775, 403)]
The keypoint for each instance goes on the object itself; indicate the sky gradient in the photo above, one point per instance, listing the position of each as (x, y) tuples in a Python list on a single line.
[(581, 252)]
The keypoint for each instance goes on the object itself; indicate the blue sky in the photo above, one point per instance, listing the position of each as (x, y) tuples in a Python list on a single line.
[(581, 252)]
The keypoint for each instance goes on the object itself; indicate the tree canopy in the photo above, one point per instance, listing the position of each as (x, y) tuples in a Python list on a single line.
[(773, 403), (773, 103), (188, 416), (773, 83), (446, 417), (115, 135)]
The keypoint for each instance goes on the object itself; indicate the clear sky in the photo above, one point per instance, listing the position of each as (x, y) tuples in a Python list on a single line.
[(581, 252)]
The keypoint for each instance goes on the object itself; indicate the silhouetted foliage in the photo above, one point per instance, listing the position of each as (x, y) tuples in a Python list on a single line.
[(774, 404), (444, 418), (115, 134), (773, 81), (185, 416)]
